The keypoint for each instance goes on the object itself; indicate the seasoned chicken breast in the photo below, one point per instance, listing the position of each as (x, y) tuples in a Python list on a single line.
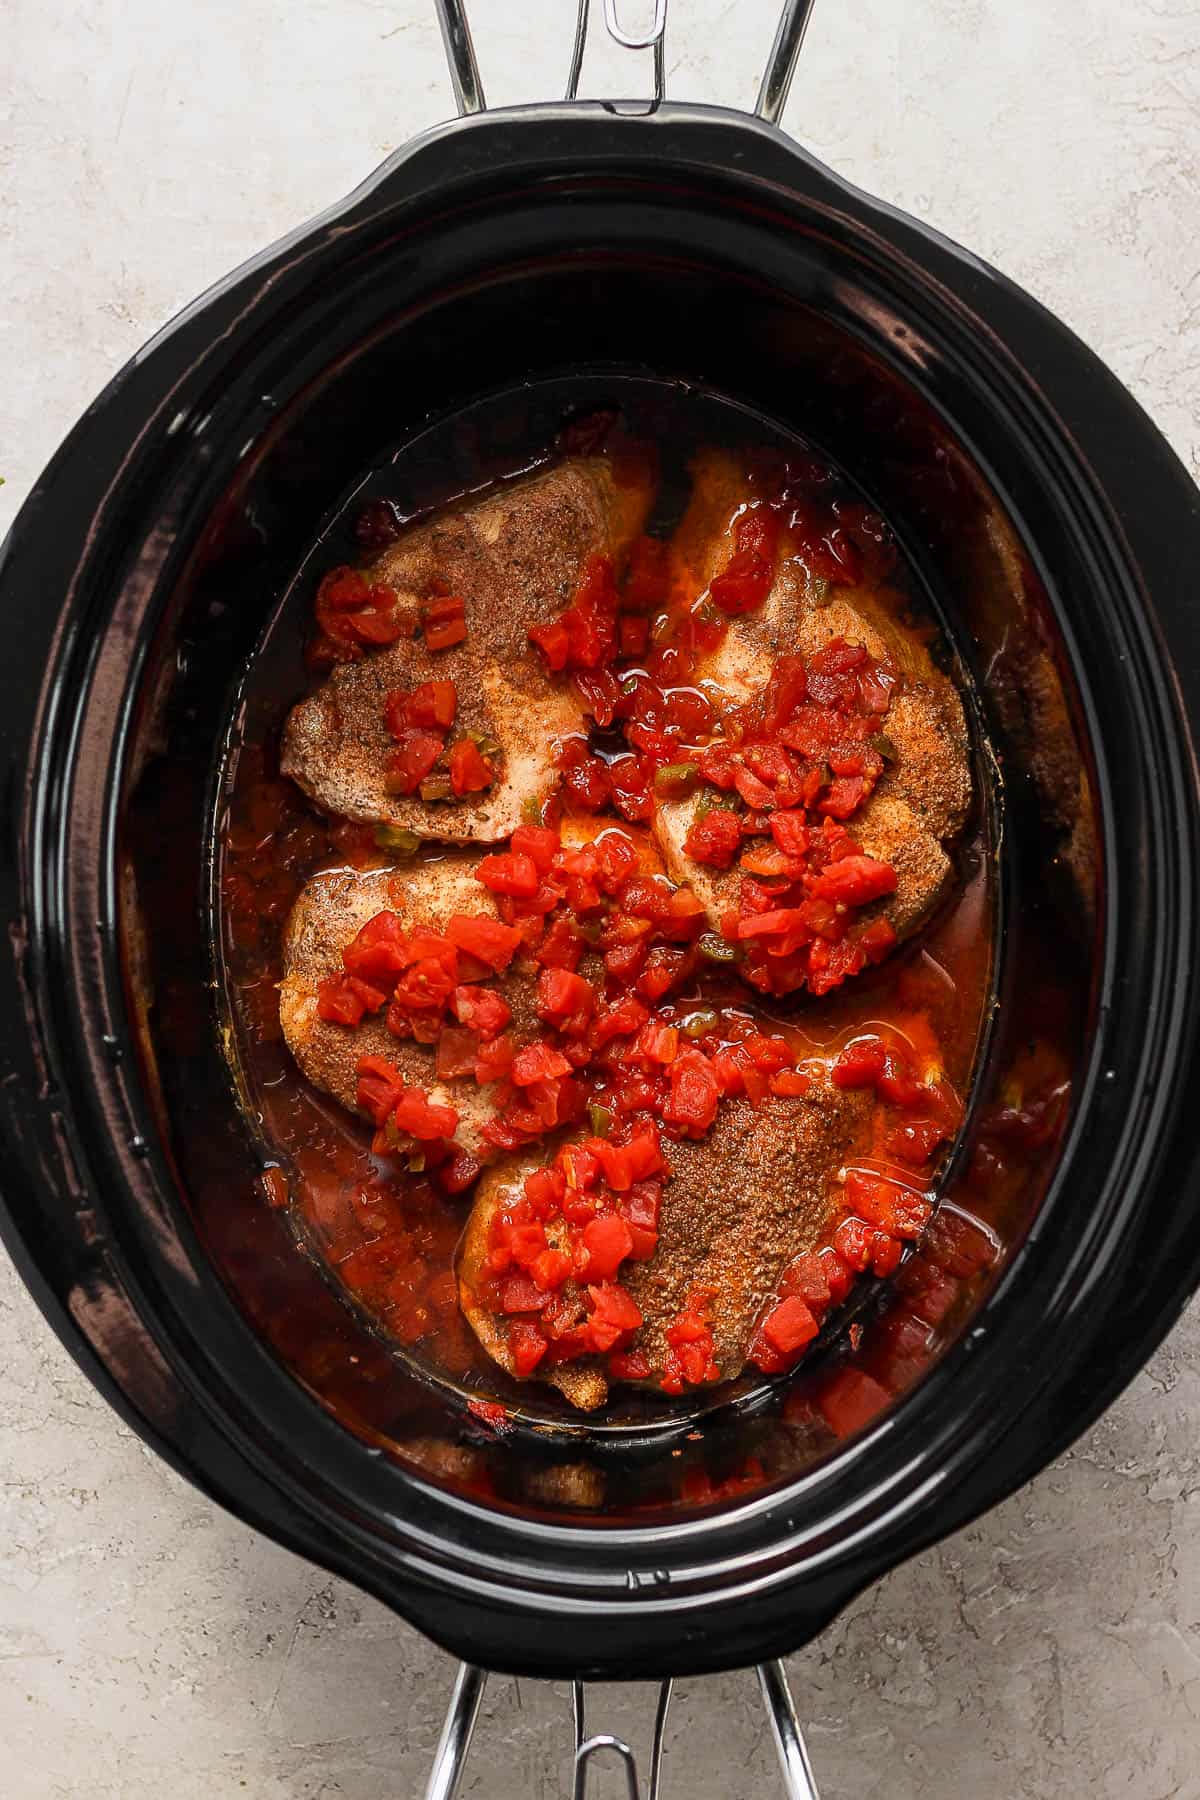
[(740, 1204), (329, 913), (922, 798), (515, 557)]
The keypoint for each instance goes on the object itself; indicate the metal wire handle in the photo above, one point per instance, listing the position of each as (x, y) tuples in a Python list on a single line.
[(450, 1761), (772, 94), (461, 1716)]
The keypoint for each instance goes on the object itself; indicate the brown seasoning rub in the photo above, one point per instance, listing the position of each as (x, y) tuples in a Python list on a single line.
[(515, 557), (740, 1204), (923, 795)]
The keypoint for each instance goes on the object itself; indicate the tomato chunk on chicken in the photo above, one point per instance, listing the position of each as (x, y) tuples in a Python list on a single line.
[(450, 729), (738, 1206), (334, 1021), (896, 781)]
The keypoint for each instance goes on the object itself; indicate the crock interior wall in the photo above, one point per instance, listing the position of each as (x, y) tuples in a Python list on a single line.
[(360, 377)]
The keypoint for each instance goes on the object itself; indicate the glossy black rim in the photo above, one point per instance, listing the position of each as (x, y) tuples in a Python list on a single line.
[(124, 1280)]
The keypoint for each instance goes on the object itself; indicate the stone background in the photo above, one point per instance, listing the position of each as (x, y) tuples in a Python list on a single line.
[(149, 1644)]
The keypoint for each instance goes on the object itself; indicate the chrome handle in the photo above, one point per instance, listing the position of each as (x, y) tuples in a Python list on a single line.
[(772, 95), (460, 54), (655, 39), (781, 63), (798, 1777), (450, 1757), (455, 1741)]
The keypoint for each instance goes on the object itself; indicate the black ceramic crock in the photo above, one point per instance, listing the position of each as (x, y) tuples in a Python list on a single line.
[(679, 242)]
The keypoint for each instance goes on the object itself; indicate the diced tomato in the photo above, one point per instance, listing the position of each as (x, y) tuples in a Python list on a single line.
[(457, 1049), (625, 961), (379, 952), (789, 1325), (551, 1269), (848, 1400), (614, 1313), (554, 642), (426, 985), (494, 1059), (658, 1042), (608, 1241), (852, 1241), (838, 1278), (855, 880), (527, 1346), (380, 1085), (805, 1278), (411, 762), (585, 777), (621, 1020), (861, 1064), (457, 1175), (786, 689), (629, 1365), (929, 1291), (598, 694), (470, 771), (625, 1164), (538, 1062), (790, 833), (876, 940), (544, 1190), (344, 589), (781, 921), (715, 839), (886, 1254), (753, 791), (565, 999), (664, 967), (894, 1207), (695, 1094), (521, 1293), (562, 947), (491, 1415), (493, 943), (481, 1008), (842, 798), (691, 1354), (380, 623), (417, 1116), (959, 1244), (640, 1210), (444, 622), (345, 1000), (790, 1084), (537, 842), (431, 706), (746, 579), (510, 873)]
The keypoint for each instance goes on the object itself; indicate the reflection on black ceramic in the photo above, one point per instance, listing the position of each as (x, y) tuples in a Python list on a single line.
[(1035, 497)]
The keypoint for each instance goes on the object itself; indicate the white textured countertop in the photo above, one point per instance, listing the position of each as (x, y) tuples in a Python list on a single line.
[(148, 1643)]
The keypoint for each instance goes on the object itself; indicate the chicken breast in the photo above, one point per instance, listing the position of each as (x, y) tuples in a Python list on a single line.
[(329, 913), (515, 557), (740, 1204), (922, 798)]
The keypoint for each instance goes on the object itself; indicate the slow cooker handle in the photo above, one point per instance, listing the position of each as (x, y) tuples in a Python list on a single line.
[(455, 1742), (772, 94)]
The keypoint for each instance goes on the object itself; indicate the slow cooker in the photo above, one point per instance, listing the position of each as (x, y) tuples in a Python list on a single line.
[(1058, 536)]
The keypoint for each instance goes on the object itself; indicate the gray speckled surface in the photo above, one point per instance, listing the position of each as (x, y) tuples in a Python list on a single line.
[(148, 1642)]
